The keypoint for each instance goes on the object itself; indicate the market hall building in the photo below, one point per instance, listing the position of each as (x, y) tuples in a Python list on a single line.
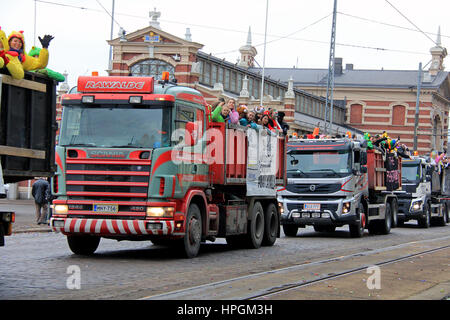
[(150, 51)]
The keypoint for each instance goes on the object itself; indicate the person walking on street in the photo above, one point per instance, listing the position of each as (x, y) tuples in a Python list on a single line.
[(40, 191)]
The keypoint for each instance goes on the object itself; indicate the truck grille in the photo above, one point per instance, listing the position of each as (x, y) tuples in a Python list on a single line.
[(112, 180), (305, 188)]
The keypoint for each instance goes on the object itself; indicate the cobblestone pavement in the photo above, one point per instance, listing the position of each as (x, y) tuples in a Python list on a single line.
[(34, 265)]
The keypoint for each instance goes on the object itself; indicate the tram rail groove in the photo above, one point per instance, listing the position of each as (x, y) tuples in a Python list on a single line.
[(291, 286)]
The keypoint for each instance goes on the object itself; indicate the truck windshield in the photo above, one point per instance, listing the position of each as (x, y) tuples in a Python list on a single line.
[(115, 127), (318, 163), (410, 173)]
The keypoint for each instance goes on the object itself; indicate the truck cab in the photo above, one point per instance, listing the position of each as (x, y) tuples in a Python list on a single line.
[(327, 187), (421, 195)]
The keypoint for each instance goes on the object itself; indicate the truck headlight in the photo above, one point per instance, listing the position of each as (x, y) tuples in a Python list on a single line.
[(416, 205), (346, 207), (160, 212), (61, 208), (280, 207)]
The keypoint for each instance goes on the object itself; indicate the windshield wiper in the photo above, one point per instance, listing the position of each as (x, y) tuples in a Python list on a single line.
[(330, 170), (295, 171), (79, 145)]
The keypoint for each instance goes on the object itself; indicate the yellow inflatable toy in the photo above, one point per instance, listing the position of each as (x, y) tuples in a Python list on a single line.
[(16, 42), (11, 62)]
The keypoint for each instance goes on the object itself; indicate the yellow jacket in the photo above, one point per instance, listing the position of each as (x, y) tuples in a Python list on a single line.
[(30, 63), (14, 66)]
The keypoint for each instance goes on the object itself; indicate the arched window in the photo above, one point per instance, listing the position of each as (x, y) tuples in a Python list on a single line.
[(153, 68), (356, 113), (398, 115)]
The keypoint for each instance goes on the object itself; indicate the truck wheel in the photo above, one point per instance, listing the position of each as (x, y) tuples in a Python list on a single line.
[(83, 245), (425, 222), (386, 224), (442, 221), (270, 225), (290, 230), (394, 214), (357, 230), (190, 244), (255, 228)]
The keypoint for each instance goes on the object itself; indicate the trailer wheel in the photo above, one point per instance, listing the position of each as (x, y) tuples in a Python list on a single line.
[(270, 225), (83, 245), (290, 230), (394, 208), (425, 222), (386, 224), (255, 228), (190, 244), (442, 221), (357, 230)]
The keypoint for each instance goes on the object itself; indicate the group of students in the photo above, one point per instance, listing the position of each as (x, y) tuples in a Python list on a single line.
[(259, 118)]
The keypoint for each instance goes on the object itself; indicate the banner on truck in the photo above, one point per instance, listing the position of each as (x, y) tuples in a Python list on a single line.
[(261, 163)]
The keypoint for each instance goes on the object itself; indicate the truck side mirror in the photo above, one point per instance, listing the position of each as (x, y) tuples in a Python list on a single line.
[(190, 134)]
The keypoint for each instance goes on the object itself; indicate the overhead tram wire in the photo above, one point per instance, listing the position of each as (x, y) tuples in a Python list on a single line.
[(387, 24), (410, 21)]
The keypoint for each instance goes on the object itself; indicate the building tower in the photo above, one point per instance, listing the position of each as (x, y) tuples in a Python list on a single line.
[(438, 53), (248, 52)]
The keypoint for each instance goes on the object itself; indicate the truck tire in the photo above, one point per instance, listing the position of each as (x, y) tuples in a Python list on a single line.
[(190, 244), (425, 222), (357, 230), (84, 245), (442, 221), (270, 225), (385, 225), (290, 230), (255, 227), (394, 208)]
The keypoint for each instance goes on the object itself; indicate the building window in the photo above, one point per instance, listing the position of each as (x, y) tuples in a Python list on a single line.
[(214, 74), (398, 115), (152, 68), (207, 74), (355, 113)]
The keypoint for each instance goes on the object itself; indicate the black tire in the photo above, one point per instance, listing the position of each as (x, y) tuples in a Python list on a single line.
[(425, 222), (442, 221), (84, 245), (394, 214), (386, 224), (270, 225), (255, 227), (357, 229), (324, 228), (290, 230), (190, 244)]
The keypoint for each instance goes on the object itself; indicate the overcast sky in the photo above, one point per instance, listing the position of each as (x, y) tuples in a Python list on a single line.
[(371, 34)]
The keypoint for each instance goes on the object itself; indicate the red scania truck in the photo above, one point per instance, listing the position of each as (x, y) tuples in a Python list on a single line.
[(139, 159)]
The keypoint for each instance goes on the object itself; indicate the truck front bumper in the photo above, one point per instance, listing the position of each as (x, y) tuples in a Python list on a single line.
[(407, 210), (330, 213), (113, 227)]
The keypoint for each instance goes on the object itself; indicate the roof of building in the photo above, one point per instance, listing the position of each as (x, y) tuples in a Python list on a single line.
[(357, 78)]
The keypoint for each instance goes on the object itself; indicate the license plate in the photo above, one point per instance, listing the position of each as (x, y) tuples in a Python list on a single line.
[(106, 208), (311, 206)]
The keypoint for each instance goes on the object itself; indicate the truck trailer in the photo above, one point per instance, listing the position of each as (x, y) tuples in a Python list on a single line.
[(139, 159), (27, 133), (337, 182)]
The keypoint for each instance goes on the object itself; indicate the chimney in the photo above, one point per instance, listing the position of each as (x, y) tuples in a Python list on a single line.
[(349, 66), (337, 66)]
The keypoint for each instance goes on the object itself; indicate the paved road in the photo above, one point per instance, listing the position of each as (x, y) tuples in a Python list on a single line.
[(35, 265)]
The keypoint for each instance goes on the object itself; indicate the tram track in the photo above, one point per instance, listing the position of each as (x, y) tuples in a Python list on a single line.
[(264, 285)]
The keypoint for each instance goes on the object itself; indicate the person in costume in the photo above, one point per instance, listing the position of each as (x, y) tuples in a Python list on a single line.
[(16, 42), (34, 52), (8, 59)]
